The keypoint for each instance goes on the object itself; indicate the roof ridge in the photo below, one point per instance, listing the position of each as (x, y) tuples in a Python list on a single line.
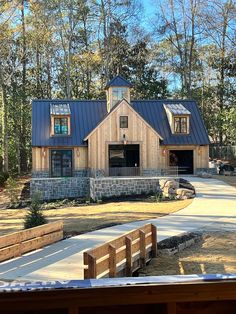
[(68, 100)]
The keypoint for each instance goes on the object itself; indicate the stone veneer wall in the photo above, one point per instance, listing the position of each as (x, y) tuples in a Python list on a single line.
[(40, 174), (60, 188), (109, 187), (207, 170)]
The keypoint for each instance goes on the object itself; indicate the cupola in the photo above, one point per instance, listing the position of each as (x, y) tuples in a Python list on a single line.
[(117, 89)]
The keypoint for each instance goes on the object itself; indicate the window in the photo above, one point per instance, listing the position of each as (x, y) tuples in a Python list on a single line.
[(61, 126), (123, 122), (180, 124), (61, 163), (119, 94)]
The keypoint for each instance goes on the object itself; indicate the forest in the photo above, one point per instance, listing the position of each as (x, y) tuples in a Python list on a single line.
[(69, 49)]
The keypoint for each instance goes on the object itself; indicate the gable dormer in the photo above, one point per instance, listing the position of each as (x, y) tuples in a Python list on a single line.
[(179, 118), (60, 119), (117, 89)]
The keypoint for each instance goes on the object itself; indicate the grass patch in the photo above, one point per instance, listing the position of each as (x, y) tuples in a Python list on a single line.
[(81, 219)]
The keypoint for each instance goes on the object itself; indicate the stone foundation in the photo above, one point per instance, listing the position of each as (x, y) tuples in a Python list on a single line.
[(40, 174), (207, 170), (112, 187), (60, 188)]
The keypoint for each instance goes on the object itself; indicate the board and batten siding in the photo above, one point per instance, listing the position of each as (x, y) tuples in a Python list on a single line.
[(41, 157), (110, 133)]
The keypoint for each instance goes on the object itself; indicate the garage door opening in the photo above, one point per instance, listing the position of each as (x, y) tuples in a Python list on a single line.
[(183, 159)]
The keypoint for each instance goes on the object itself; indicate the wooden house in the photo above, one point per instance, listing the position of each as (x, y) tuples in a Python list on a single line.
[(118, 136)]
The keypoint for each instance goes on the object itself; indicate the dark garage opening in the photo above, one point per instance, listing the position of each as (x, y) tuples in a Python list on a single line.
[(124, 160), (183, 159)]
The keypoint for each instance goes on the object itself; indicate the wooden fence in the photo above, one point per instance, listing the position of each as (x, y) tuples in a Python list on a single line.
[(18, 243), (123, 255)]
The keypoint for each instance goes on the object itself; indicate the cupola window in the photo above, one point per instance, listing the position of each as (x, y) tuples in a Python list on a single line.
[(119, 93)]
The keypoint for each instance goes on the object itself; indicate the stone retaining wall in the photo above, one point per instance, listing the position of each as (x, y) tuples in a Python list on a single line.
[(60, 188), (207, 170), (111, 187)]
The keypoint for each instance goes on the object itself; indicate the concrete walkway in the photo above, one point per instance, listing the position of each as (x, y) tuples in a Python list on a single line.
[(213, 208)]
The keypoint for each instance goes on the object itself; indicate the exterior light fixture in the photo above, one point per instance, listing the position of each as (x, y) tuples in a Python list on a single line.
[(124, 139)]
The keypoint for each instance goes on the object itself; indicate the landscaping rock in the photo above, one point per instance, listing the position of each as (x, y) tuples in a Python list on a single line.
[(179, 188), (183, 194)]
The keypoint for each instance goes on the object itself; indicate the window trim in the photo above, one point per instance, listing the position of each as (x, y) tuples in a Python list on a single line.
[(181, 118), (53, 117), (72, 162), (127, 122)]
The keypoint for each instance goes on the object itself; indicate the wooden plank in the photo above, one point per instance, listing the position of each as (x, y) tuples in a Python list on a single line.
[(39, 242), (121, 255), (142, 248), (128, 242), (73, 310), (11, 239), (41, 230), (112, 261), (30, 245), (171, 308), (154, 240), (103, 266), (17, 237), (10, 252), (92, 267)]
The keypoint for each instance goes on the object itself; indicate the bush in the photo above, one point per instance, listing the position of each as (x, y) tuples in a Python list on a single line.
[(35, 216), (3, 178)]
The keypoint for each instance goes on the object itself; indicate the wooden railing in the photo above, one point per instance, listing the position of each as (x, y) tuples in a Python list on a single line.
[(123, 255), (168, 298), (18, 243)]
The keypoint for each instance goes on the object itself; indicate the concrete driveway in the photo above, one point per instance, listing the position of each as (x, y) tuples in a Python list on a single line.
[(213, 208)]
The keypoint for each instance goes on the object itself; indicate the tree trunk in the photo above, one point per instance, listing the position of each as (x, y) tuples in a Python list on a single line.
[(4, 127), (23, 153)]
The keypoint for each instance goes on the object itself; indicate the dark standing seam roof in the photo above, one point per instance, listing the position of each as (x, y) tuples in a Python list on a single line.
[(86, 115), (154, 113), (119, 81)]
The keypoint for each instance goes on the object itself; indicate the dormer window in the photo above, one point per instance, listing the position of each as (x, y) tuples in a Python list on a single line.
[(178, 117), (60, 119), (61, 126), (180, 124)]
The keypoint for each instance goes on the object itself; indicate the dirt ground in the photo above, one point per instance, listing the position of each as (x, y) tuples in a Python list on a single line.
[(215, 254), (80, 219), (22, 191)]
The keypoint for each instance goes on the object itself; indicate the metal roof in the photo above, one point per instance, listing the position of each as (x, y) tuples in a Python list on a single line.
[(119, 81), (85, 116), (154, 113), (177, 109), (59, 109)]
